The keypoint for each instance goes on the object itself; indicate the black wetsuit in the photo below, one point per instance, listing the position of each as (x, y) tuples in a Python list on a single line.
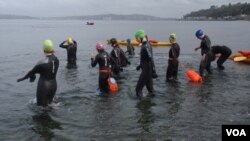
[(205, 49), (147, 67), (47, 85), (130, 49), (103, 59), (173, 62), (71, 51), (120, 60), (225, 53)]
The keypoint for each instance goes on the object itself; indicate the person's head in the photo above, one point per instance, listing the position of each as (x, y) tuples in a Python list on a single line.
[(99, 47), (199, 34), (129, 40), (48, 47), (113, 42), (140, 35), (172, 38), (70, 41)]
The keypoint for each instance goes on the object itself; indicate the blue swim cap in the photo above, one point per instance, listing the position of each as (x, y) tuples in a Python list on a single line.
[(199, 33), (128, 40)]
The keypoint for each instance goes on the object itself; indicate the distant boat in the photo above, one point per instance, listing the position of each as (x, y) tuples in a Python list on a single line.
[(90, 23)]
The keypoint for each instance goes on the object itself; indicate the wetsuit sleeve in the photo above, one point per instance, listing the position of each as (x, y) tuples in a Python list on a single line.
[(62, 45), (149, 52), (94, 62), (30, 74), (75, 44)]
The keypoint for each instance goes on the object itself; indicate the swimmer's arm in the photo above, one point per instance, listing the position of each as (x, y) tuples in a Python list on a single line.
[(62, 45), (30, 74), (75, 43), (94, 61)]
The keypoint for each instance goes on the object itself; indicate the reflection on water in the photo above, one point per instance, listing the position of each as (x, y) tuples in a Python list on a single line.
[(146, 116), (44, 125), (71, 65)]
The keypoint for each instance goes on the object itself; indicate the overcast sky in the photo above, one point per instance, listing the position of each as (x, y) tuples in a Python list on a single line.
[(160, 8)]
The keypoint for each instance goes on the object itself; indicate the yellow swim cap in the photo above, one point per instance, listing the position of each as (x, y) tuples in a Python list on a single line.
[(172, 38), (70, 40), (48, 46)]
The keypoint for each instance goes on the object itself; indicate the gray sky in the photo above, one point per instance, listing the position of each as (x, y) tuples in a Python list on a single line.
[(160, 8)]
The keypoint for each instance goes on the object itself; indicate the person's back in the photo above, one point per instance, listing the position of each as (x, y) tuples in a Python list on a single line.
[(173, 63), (224, 52), (103, 59), (221, 49), (71, 48), (71, 52), (47, 68), (115, 55)]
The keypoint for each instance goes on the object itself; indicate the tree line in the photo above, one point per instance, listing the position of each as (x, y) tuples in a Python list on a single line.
[(238, 10)]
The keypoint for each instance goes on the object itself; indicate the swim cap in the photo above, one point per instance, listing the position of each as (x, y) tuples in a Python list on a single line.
[(99, 46), (113, 41), (172, 38), (70, 40), (199, 33), (128, 40), (140, 33), (48, 46)]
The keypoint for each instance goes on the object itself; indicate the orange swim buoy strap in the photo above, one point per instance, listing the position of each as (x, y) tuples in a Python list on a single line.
[(105, 71), (170, 58)]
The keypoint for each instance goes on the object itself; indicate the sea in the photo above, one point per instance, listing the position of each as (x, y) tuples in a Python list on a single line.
[(180, 111)]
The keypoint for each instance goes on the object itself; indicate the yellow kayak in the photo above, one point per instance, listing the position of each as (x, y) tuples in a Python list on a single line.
[(135, 43), (247, 60)]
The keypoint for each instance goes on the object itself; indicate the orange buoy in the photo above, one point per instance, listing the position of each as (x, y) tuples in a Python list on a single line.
[(113, 86), (193, 76)]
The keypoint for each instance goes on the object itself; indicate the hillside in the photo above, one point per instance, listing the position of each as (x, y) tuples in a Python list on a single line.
[(110, 17), (133, 17), (239, 11), (5, 16)]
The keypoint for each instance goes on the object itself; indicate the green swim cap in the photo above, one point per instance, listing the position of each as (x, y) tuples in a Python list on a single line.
[(172, 38), (48, 46), (140, 33)]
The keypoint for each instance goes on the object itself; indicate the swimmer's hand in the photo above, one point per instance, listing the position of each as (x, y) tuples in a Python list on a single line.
[(20, 79), (138, 67), (32, 78)]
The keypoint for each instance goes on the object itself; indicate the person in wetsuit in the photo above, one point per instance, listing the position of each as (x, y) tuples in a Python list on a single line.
[(146, 65), (173, 62), (206, 53), (224, 52), (71, 46), (130, 48), (103, 59), (119, 57), (47, 68)]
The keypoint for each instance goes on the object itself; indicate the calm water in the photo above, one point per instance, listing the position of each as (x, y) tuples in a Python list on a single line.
[(180, 111)]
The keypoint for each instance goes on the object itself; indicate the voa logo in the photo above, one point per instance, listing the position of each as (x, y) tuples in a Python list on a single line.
[(236, 132)]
